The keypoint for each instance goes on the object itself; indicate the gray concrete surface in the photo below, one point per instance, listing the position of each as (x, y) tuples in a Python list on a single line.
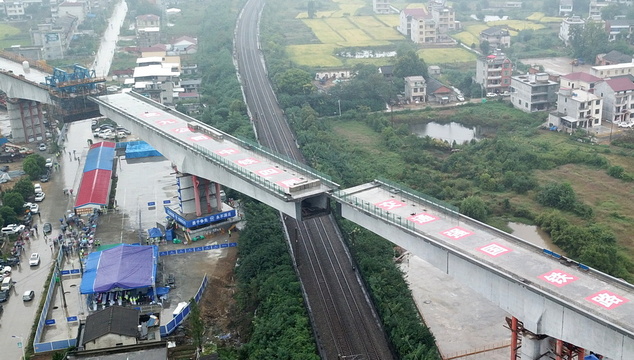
[(557, 65), (464, 323)]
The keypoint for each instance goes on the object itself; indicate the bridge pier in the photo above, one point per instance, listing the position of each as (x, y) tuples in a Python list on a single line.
[(27, 120)]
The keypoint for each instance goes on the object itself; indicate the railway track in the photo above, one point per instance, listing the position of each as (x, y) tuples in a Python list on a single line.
[(344, 321)]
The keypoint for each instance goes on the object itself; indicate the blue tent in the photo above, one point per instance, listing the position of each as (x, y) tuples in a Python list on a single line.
[(154, 233), (123, 267)]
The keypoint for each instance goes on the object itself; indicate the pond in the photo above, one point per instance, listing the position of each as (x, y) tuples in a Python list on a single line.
[(450, 132), (534, 235)]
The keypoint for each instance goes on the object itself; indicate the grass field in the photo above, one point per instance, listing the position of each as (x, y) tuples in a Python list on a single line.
[(10, 35), (517, 24), (389, 20), (375, 28), (466, 38), (316, 55), (444, 56), (540, 17), (324, 33)]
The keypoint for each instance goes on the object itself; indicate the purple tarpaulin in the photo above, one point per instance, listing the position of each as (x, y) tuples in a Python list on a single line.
[(122, 267)]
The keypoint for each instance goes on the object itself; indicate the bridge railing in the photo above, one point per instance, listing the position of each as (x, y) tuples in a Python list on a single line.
[(287, 161)]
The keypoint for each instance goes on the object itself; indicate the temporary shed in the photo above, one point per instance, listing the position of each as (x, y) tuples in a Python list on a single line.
[(124, 267), (94, 188)]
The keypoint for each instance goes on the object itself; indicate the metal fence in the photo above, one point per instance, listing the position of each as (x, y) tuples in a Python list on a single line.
[(40, 347), (178, 319)]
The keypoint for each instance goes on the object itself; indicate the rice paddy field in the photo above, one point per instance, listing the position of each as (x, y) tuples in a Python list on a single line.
[(343, 28)]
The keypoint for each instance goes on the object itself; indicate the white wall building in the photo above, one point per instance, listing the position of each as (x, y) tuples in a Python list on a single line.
[(415, 89), (533, 92), (381, 6), (576, 109), (566, 26), (618, 99)]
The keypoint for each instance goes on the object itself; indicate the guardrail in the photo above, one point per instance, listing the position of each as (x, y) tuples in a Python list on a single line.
[(40, 347), (178, 319)]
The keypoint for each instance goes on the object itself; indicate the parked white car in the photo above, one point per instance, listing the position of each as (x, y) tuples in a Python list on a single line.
[(12, 229), (628, 125), (39, 197), (49, 163)]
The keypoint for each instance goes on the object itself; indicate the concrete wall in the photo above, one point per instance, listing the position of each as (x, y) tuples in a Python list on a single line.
[(540, 312), (110, 340)]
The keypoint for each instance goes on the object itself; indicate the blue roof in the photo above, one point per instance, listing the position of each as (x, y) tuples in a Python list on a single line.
[(100, 156)]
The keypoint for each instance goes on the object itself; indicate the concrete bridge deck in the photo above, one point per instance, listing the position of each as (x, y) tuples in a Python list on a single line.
[(238, 164), (550, 294)]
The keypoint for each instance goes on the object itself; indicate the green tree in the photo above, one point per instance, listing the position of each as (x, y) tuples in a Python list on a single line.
[(611, 11), (295, 82), (196, 326), (409, 64), (559, 196), (589, 40), (14, 200), (8, 215), (34, 166), (25, 187), (485, 46), (474, 207)]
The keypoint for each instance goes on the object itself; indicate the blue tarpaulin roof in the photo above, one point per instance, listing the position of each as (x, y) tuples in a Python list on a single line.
[(100, 156), (140, 149), (154, 232), (121, 268)]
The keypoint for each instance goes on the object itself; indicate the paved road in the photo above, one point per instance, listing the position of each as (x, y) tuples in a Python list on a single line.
[(18, 317), (103, 59)]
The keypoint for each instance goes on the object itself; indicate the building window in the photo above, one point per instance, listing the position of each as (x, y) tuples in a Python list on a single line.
[(598, 102), (596, 112)]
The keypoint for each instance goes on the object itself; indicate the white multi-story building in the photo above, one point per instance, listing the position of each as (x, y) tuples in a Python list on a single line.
[(159, 82), (427, 26), (594, 10), (578, 80), (14, 10), (618, 99), (565, 7), (576, 109), (497, 37), (533, 92), (415, 89), (606, 71), (493, 72), (566, 26), (381, 6)]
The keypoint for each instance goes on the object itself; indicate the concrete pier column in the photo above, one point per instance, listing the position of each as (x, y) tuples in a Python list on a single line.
[(27, 120), (534, 346), (218, 198), (196, 183)]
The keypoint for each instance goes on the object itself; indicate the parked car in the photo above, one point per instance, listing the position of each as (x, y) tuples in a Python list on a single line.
[(626, 125), (49, 163), (34, 260), (42, 147), (39, 197), (4, 295), (37, 187), (124, 130), (33, 208), (491, 95), (28, 295), (47, 228), (12, 229), (460, 98), (45, 177), (10, 261)]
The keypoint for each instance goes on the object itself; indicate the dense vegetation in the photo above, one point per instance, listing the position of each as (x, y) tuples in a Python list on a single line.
[(271, 318), (270, 304)]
